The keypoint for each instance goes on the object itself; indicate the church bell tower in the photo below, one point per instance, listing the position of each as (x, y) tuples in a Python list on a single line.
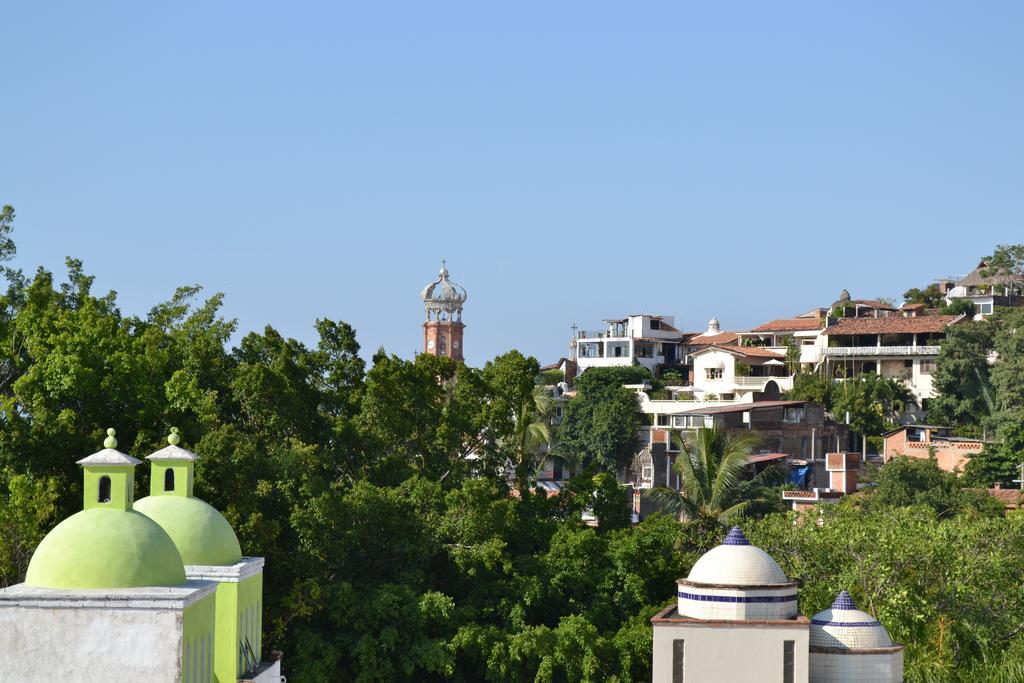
[(442, 330)]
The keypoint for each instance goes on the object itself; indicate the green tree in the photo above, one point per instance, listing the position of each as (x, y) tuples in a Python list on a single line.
[(710, 467), (792, 357), (1006, 264), (869, 404), (963, 389), (906, 481), (1007, 374), (813, 387), (600, 424), (929, 296), (531, 438)]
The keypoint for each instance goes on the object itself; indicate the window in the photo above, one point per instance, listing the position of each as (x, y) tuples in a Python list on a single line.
[(655, 324), (793, 415), (104, 496), (169, 480), (678, 662), (927, 367), (647, 475), (984, 309), (712, 373), (443, 343), (787, 661)]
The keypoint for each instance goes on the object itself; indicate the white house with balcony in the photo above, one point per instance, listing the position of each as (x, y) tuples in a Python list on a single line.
[(649, 340), (893, 347), (739, 373)]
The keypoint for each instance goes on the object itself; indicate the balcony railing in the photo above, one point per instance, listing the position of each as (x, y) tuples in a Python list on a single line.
[(848, 351)]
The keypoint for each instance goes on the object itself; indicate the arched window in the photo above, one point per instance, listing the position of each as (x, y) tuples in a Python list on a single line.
[(169, 480), (104, 496)]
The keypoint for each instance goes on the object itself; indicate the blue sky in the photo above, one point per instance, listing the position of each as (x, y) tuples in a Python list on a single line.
[(573, 161)]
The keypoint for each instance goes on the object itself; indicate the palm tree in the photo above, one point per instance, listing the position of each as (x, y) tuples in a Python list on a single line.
[(710, 468), (531, 437)]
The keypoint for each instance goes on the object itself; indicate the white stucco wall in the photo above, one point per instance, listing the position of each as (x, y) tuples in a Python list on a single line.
[(101, 645), (96, 636), (742, 652), (710, 359)]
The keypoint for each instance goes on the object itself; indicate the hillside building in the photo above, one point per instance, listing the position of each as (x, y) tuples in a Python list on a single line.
[(921, 441), (987, 291)]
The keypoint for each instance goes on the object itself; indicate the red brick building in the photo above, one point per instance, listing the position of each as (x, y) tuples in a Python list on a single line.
[(916, 441)]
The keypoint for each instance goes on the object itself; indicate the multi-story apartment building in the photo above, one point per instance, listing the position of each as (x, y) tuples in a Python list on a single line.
[(903, 348)]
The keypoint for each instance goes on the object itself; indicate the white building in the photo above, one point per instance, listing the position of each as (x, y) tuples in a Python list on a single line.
[(987, 292), (648, 340), (739, 373), (736, 619)]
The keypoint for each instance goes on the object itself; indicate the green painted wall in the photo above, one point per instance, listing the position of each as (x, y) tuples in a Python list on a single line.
[(239, 614), (182, 478), (198, 646), (122, 487)]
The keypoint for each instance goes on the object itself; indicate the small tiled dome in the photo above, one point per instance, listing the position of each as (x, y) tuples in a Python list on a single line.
[(737, 563), (843, 626)]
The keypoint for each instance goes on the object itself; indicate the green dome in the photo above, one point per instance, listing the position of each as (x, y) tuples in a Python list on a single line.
[(102, 548), (201, 534)]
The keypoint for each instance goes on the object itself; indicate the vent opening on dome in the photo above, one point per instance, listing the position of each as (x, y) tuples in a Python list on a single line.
[(104, 494), (735, 537), (169, 480)]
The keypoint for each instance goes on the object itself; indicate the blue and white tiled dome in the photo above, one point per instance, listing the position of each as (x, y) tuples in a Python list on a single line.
[(843, 626), (850, 646), (738, 563), (737, 581)]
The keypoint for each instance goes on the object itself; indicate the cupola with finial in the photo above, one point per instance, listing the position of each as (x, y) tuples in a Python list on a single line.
[(109, 477), (200, 532), (443, 328)]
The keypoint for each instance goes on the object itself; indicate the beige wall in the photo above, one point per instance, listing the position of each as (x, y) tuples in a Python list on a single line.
[(732, 652)]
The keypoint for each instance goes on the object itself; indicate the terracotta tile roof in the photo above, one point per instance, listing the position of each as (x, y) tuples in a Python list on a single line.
[(892, 325), (1010, 498), (789, 325), (753, 351), (709, 339), (911, 307)]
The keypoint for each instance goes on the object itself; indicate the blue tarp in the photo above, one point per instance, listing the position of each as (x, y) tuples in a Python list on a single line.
[(798, 475)]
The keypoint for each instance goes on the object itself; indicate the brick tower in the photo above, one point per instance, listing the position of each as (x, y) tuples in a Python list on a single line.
[(442, 330)]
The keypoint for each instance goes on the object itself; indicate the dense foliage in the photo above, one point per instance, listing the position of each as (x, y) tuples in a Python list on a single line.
[(382, 498)]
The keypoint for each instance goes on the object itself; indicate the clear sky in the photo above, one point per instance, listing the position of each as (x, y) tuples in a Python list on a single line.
[(573, 161)]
